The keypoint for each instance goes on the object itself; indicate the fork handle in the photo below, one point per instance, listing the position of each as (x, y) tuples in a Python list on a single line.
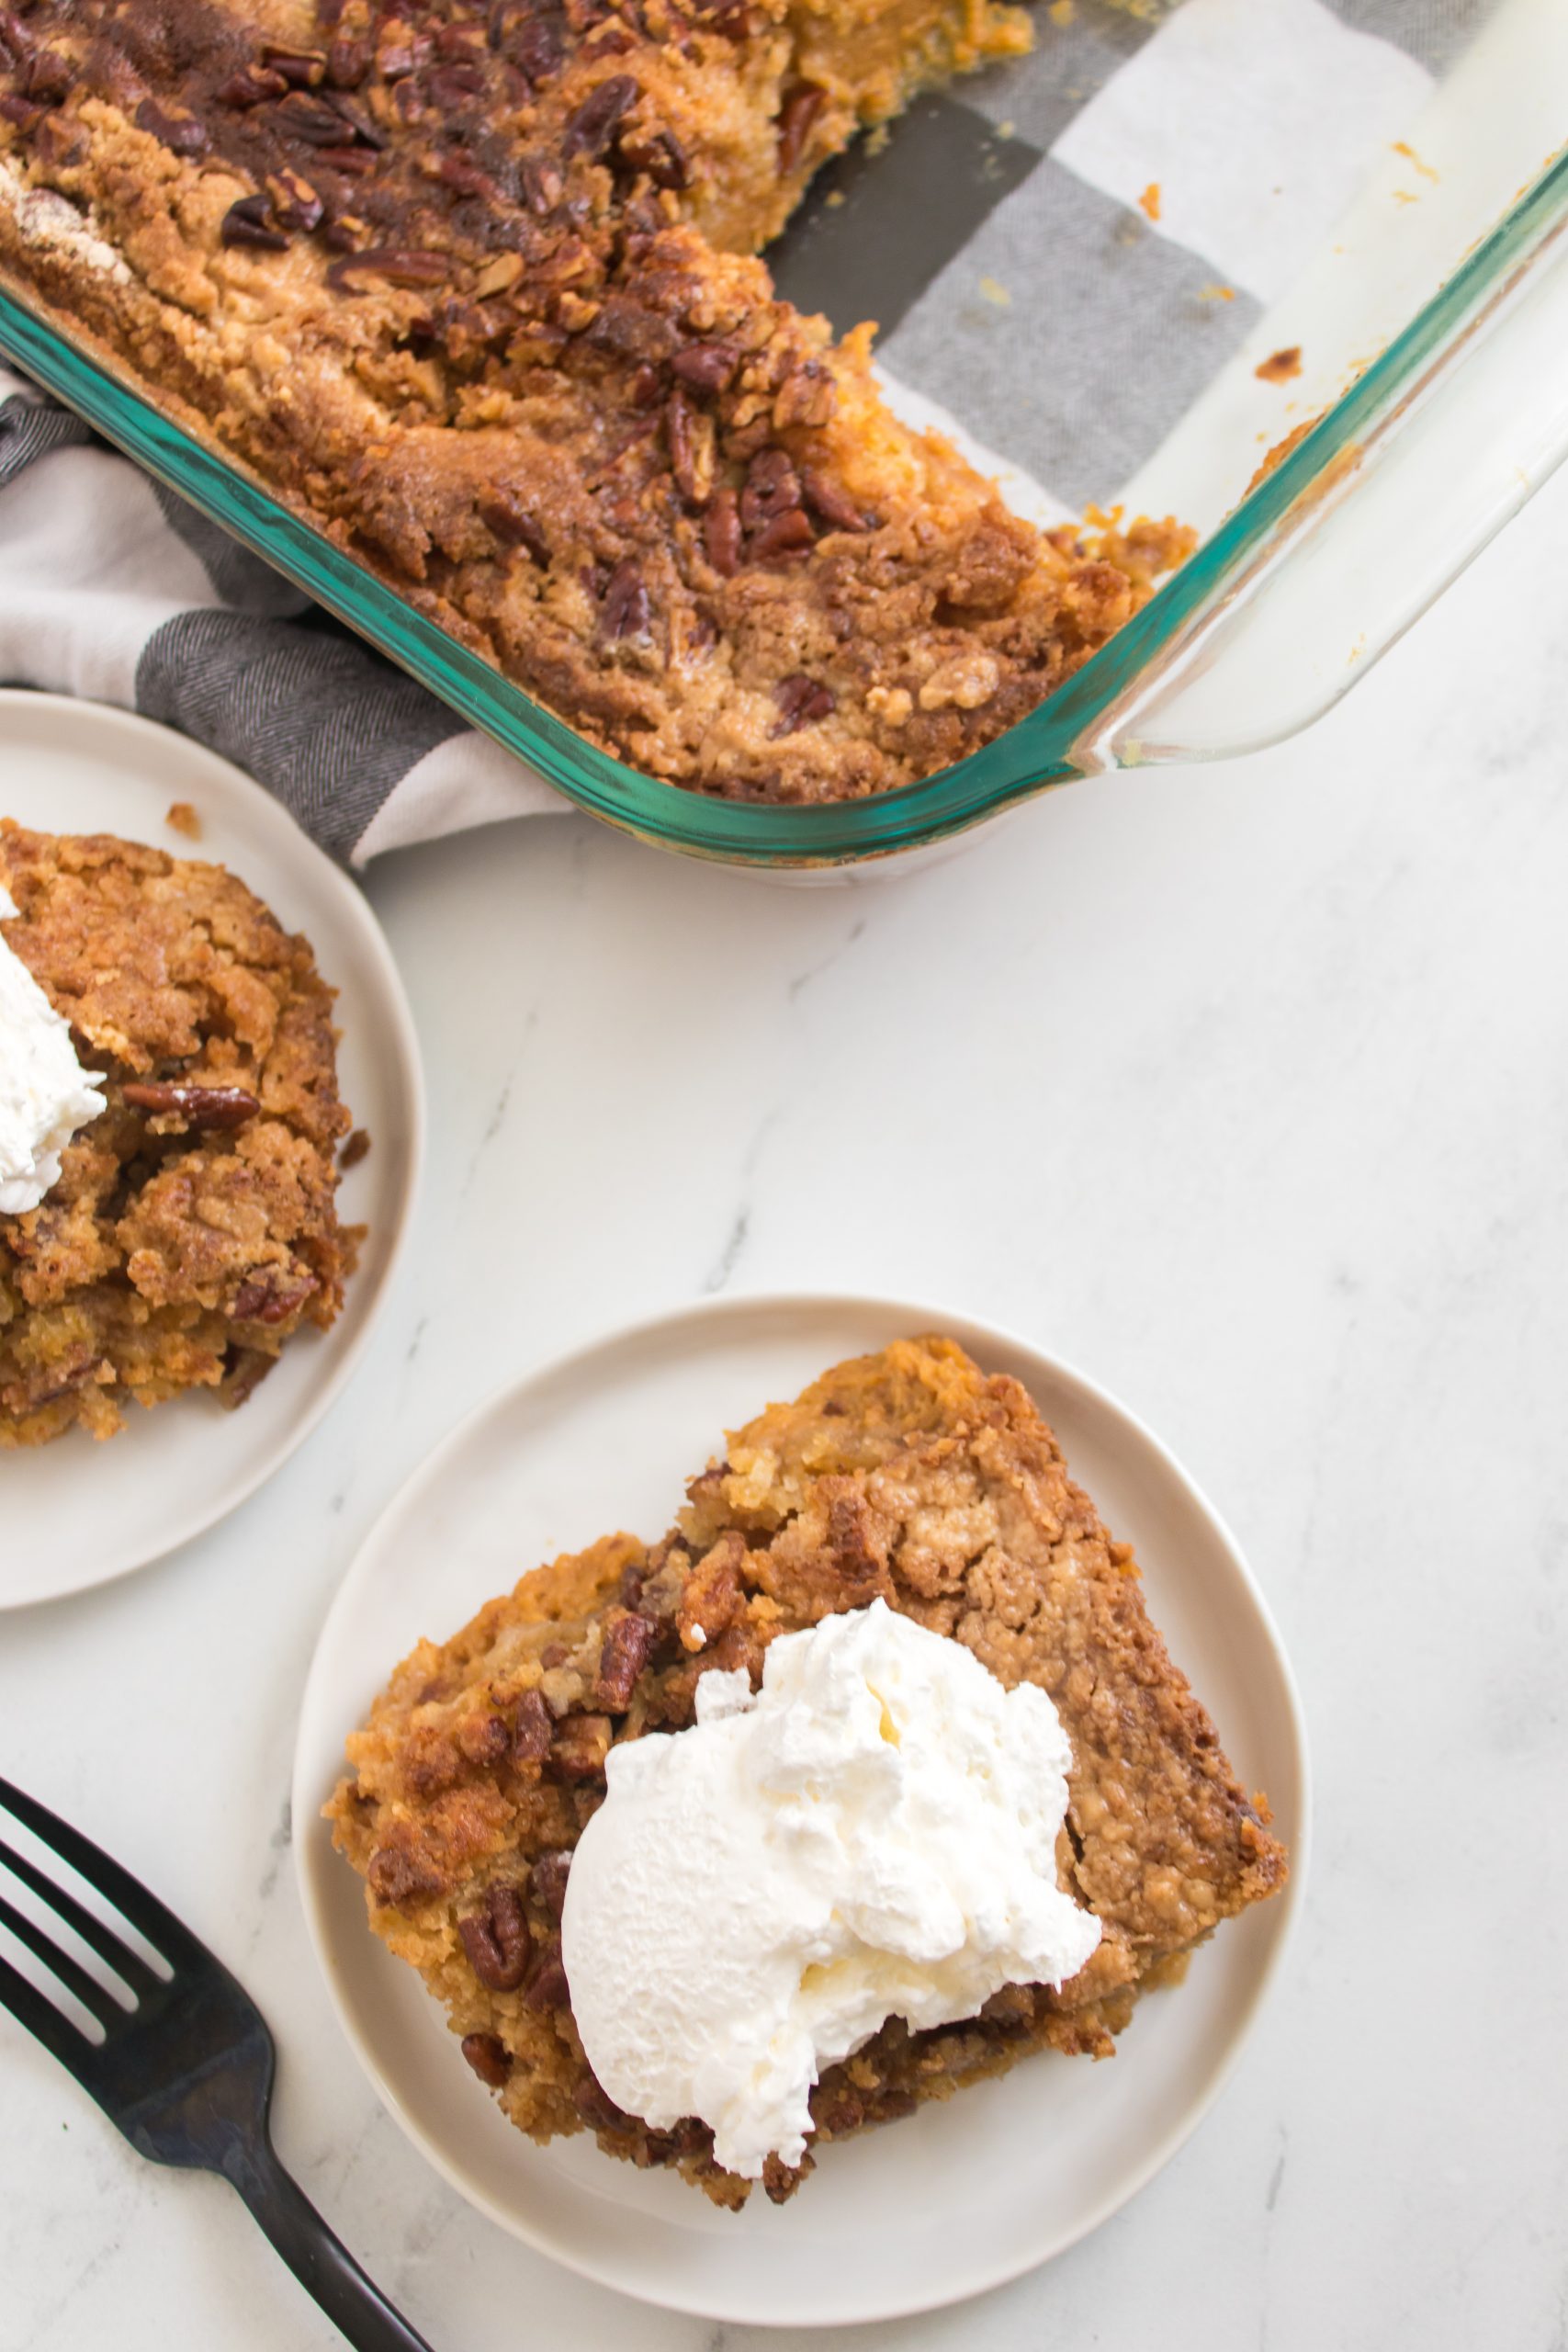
[(323, 2264)]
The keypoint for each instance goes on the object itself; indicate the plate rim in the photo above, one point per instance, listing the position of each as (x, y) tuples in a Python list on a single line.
[(314, 1845), (353, 909)]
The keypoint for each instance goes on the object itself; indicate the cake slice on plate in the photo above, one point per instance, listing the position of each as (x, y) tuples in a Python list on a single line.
[(907, 1478)]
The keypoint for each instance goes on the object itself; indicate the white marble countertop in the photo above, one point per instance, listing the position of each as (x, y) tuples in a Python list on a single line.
[(1246, 1089)]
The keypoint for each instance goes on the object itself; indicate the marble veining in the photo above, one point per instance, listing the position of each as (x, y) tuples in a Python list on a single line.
[(1246, 1089)]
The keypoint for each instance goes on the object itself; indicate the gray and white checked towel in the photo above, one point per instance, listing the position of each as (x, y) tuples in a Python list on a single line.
[(1043, 246)]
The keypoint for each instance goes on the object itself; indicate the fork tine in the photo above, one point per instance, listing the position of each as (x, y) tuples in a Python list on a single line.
[(46, 2023), (97, 1933), (146, 1914), (95, 1997)]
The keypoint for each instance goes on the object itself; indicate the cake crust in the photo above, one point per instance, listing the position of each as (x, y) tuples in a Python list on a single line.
[(194, 1227), (906, 1475), (474, 292)]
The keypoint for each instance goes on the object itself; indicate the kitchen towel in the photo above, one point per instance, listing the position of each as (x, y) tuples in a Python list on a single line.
[(1060, 252)]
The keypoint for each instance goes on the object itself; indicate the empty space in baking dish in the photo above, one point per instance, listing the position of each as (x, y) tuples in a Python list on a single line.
[(1079, 259)]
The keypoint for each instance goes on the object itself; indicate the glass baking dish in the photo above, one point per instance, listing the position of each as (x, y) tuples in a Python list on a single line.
[(1429, 398)]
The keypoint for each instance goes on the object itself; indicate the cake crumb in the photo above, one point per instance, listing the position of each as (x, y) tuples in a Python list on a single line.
[(995, 292), (1217, 293), (1149, 202), (1280, 366), (355, 1149), (1403, 147), (182, 819)]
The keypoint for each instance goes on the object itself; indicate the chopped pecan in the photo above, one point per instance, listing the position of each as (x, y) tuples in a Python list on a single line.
[(487, 2054), (580, 1748), (395, 1874), (692, 440), (706, 366), (729, 18), (347, 233), (628, 1643), (353, 162), (625, 612), (452, 87), (797, 116), (273, 1296), (252, 85), (497, 1939), (456, 172), (780, 2180), (773, 488), (249, 224), (244, 1369), (295, 204), (787, 533), (348, 62), (483, 1739), (311, 119), (49, 76), (592, 127), (721, 534), (831, 501), (660, 154), (302, 69), (199, 1105), (837, 2110), (22, 111), (181, 133), (807, 396), (533, 1727), (513, 525), (394, 263), (547, 1988), (546, 1881), (357, 123), (710, 1596), (800, 700), (595, 2106), (539, 49)]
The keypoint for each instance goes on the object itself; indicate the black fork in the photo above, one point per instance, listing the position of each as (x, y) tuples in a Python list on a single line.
[(186, 2072)]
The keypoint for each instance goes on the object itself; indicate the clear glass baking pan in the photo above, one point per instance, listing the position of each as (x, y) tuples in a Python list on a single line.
[(1421, 392)]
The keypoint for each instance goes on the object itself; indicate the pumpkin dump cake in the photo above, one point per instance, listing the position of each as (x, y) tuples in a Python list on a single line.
[(187, 1228), (905, 1478), (473, 288)]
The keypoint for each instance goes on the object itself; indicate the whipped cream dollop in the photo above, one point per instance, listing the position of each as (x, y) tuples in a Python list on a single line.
[(872, 1835), (45, 1093)]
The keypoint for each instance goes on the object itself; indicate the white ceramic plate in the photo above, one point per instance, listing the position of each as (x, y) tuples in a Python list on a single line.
[(77, 1513), (1017, 2168)]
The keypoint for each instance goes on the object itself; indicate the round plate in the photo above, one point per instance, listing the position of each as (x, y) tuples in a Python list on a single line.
[(77, 1513), (1018, 2168)]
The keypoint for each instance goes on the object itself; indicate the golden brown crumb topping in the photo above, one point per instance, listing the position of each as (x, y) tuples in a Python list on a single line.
[(194, 1228), (906, 1475)]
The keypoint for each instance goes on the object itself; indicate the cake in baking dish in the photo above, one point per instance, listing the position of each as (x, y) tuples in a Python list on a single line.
[(473, 287)]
